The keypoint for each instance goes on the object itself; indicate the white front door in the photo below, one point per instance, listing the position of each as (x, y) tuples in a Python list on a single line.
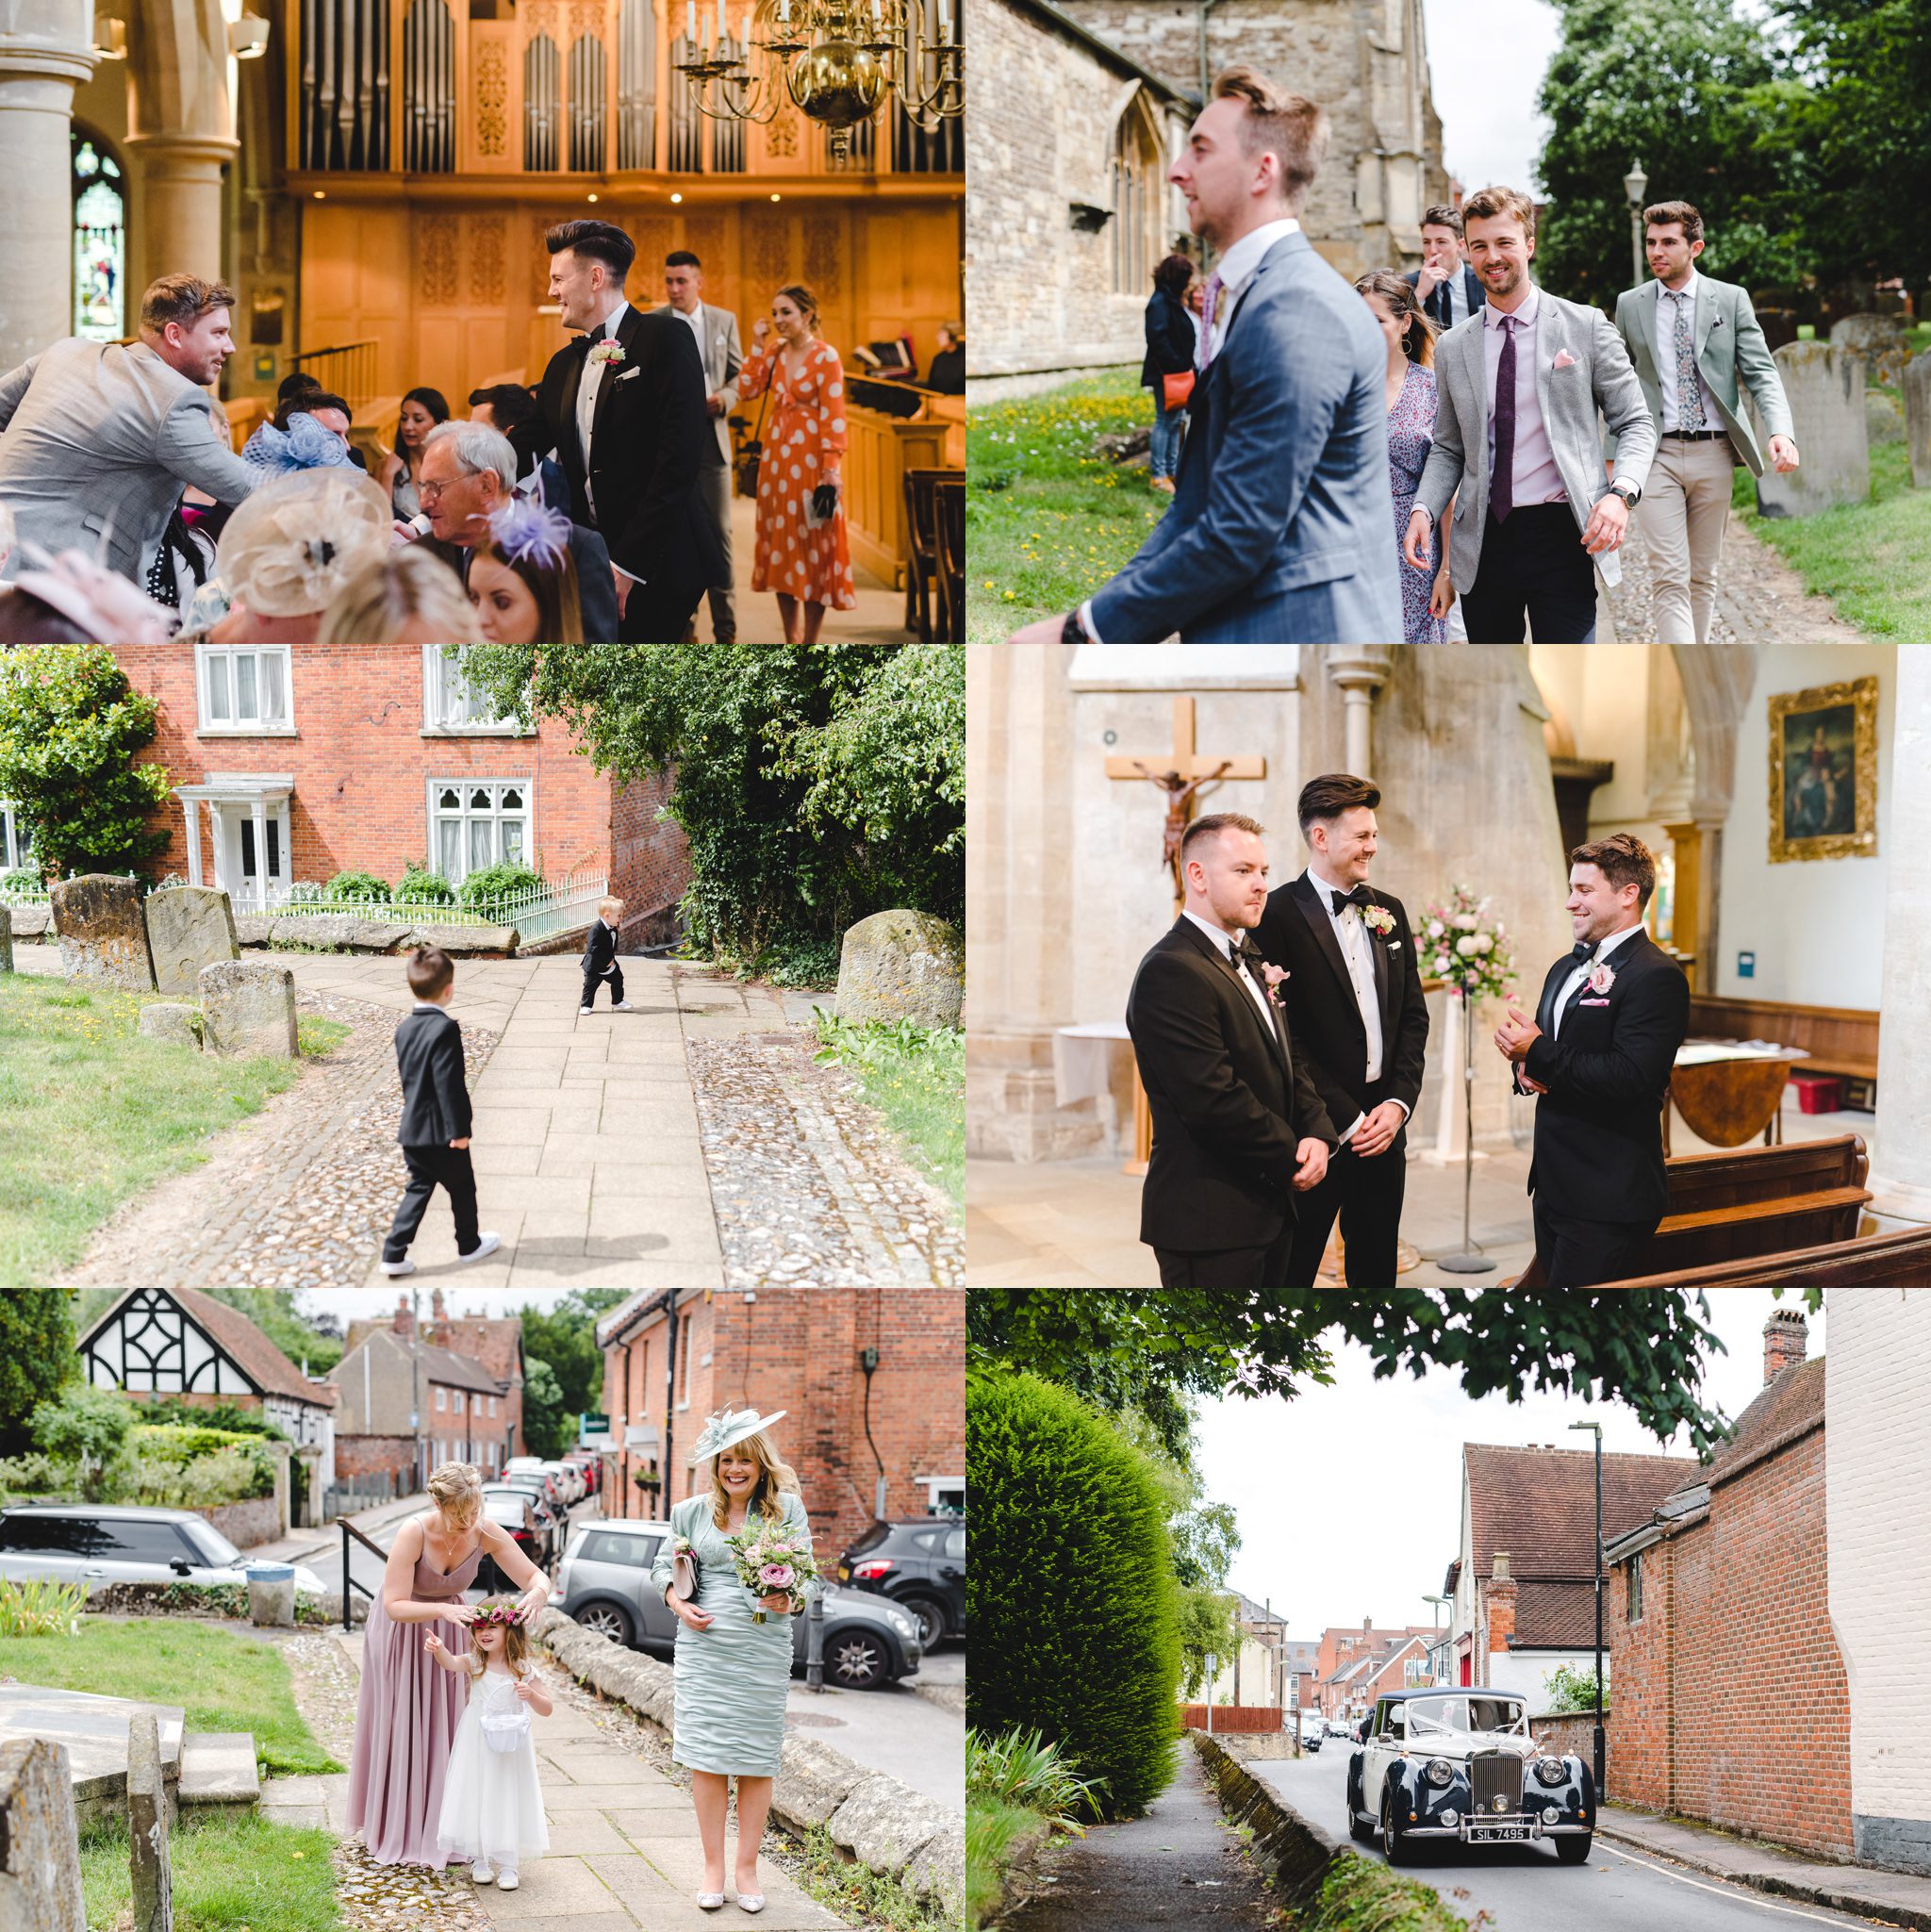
[(244, 868)]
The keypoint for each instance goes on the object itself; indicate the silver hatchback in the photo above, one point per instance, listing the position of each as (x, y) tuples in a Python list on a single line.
[(604, 1582)]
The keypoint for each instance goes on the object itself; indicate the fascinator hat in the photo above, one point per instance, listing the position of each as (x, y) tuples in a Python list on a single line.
[(526, 530), (294, 541), (728, 1428)]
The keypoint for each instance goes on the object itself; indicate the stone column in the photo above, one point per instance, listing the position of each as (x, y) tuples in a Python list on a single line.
[(181, 226), (1901, 1178), (1361, 670), (45, 55), (259, 811), (182, 128), (192, 808)]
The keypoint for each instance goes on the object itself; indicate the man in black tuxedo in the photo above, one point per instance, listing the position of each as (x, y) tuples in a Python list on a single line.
[(1359, 1022), (1447, 289), (1238, 1127), (1599, 1053), (629, 425), (435, 1131)]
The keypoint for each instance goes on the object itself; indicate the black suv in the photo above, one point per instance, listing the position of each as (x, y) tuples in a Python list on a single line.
[(920, 1563)]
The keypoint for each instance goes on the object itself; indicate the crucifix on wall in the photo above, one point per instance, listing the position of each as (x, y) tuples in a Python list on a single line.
[(1179, 774)]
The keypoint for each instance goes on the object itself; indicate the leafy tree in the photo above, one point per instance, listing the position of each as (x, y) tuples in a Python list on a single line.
[(88, 1427), (815, 785), (70, 725), (36, 1358), (1569, 1688), (273, 1311), (546, 1422), (566, 1338), (1645, 1347)]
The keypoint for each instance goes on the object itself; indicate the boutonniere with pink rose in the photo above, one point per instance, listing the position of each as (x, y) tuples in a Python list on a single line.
[(1275, 977), (1602, 976), (608, 349), (1378, 920)]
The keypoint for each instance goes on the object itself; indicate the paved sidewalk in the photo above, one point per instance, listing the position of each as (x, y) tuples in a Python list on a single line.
[(302, 1545), (1898, 1898)]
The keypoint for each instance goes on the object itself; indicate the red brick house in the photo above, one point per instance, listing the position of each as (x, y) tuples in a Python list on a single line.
[(872, 1380), (1729, 1694), (293, 762), (1348, 1660)]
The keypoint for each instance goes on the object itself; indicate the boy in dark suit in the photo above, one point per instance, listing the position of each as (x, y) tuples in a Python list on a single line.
[(435, 1132), (599, 958)]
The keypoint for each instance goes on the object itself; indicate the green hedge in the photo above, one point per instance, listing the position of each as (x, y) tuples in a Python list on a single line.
[(1071, 1591)]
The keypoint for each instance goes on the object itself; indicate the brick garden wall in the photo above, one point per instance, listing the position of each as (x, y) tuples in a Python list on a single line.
[(1574, 1731), (359, 1456), (649, 866), (246, 1524)]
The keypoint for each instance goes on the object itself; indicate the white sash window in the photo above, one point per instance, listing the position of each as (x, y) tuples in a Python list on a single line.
[(244, 688), (452, 705), (15, 847), (476, 823)]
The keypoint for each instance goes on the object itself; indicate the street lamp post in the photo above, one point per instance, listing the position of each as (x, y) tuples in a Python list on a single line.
[(1596, 1428), (1635, 184), (1439, 1603)]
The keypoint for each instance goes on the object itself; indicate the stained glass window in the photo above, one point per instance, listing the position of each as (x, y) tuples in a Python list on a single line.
[(99, 242)]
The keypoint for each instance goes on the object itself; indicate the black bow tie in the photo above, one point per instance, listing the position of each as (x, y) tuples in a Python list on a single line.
[(1585, 949), (1244, 956), (1359, 897)]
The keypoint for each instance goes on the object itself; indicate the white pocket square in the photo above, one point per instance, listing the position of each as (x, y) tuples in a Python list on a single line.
[(627, 375)]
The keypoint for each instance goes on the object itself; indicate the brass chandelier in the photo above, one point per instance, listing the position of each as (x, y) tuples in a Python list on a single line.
[(837, 59)]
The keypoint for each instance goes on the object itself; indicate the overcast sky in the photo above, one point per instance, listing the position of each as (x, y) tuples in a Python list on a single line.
[(1349, 1496), (1486, 60)]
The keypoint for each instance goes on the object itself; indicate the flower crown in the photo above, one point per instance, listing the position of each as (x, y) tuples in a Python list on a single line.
[(504, 1613), (525, 529)]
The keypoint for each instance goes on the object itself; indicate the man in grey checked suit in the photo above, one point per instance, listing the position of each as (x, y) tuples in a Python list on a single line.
[(1697, 346), (1516, 444), (717, 343), (96, 442)]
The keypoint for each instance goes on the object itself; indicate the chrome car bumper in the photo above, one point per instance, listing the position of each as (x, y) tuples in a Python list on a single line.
[(1518, 1828)]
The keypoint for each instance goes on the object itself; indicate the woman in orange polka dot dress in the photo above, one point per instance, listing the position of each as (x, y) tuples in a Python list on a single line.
[(808, 566)]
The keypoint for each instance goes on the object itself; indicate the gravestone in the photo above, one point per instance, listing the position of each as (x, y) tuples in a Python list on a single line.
[(1918, 417), (167, 1019), (189, 927), (103, 935), (6, 939), (1824, 386), (248, 1006), (902, 965), (39, 1850), (1884, 419), (1876, 340), (147, 1829)]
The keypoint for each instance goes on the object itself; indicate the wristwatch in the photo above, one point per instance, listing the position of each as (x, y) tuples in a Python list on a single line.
[(1070, 631), (1627, 491)]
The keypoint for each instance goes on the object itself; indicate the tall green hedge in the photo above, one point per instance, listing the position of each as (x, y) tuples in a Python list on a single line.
[(1073, 1604)]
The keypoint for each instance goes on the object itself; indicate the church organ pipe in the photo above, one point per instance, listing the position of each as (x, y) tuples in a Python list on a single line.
[(328, 82), (637, 62)]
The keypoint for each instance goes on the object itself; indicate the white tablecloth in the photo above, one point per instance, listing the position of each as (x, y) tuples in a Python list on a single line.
[(1083, 1059)]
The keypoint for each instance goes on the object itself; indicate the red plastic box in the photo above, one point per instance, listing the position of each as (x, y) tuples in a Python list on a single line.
[(1818, 1092)]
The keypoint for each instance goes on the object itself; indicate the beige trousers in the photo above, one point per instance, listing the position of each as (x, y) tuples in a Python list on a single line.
[(1686, 502)]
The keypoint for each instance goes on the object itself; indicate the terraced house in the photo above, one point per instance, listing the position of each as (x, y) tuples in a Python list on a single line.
[(292, 763)]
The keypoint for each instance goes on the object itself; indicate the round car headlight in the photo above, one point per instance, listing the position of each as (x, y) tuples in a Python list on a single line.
[(1440, 1772), (1551, 1771)]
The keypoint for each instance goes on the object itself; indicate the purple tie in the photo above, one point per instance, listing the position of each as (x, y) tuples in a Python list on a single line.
[(1502, 487)]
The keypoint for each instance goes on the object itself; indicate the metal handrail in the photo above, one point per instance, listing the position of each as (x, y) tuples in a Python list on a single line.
[(348, 1582), (346, 369)]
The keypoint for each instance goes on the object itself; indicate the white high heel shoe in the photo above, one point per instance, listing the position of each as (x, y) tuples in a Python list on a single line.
[(710, 1901), (751, 1901)]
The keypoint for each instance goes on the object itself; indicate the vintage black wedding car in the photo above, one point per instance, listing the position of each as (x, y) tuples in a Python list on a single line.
[(1460, 1764)]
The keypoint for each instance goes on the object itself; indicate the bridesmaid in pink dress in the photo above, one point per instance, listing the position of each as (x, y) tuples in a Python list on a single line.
[(408, 1709)]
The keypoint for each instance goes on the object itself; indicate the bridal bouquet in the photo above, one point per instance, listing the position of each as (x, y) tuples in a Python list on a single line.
[(1460, 944), (770, 1563)]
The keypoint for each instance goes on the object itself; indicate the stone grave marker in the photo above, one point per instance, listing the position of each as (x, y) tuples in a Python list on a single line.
[(248, 1006), (91, 1731), (902, 965), (1918, 417), (167, 1019), (1876, 340), (103, 935), (40, 1849), (6, 939), (1825, 389), (147, 1829), (189, 927)]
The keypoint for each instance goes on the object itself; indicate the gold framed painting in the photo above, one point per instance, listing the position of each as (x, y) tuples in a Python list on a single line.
[(1824, 772)]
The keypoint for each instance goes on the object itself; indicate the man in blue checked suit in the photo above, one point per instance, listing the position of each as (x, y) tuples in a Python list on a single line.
[(1279, 530)]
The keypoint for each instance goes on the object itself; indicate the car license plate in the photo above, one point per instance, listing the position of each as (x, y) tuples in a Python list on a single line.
[(844, 1573), (1477, 1832)]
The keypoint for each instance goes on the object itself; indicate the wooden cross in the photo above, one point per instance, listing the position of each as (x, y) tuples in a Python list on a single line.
[(1180, 773)]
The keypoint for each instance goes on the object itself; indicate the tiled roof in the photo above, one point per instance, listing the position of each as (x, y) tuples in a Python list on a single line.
[(1792, 1405), (495, 1341), (258, 1358), (1560, 1616), (438, 1365), (1539, 1505)]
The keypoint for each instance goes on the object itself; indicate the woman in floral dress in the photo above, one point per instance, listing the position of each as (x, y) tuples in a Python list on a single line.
[(1426, 595), (801, 552)]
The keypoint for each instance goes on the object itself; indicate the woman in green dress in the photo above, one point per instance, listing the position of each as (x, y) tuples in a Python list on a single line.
[(732, 1673)]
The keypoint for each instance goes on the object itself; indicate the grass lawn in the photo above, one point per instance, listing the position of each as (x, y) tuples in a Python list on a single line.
[(994, 1832), (1047, 522), (91, 1113), (915, 1076), (223, 1681), (232, 1871)]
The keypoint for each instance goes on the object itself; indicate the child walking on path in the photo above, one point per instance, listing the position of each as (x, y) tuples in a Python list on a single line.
[(435, 1131), (493, 1802), (599, 958)]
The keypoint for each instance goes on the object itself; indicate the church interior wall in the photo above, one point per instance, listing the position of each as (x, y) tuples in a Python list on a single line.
[(1815, 925)]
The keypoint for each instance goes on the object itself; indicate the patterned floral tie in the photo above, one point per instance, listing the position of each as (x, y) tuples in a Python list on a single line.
[(1209, 313), (1689, 391)]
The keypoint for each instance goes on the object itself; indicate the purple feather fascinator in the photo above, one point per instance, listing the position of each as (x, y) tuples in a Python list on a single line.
[(526, 530)]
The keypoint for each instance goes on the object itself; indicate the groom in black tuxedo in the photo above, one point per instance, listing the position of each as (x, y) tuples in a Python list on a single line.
[(629, 426), (1359, 1022), (1238, 1127), (1599, 1054)]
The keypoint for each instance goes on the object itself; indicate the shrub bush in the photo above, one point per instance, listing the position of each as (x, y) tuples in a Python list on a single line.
[(198, 1468), (420, 887), (19, 879), (39, 1607), (222, 1416), (1071, 1593), (88, 1428), (496, 882), (358, 888)]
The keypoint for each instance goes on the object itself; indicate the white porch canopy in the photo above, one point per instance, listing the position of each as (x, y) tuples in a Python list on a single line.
[(258, 793)]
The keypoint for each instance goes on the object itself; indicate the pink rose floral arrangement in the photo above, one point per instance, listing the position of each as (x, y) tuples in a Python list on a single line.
[(1461, 943), (771, 1564)]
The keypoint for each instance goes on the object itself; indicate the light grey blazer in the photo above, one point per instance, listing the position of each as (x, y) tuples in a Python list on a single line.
[(723, 356), (1731, 356), (1596, 377), (96, 442)]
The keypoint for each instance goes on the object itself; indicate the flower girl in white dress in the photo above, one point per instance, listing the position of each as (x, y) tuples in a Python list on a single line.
[(492, 1804)]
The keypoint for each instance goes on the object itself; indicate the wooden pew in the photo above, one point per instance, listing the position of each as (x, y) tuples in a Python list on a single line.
[(1745, 1202), (1898, 1260), (1839, 1040)]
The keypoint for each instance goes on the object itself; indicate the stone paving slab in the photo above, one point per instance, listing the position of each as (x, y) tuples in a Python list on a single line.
[(219, 1768)]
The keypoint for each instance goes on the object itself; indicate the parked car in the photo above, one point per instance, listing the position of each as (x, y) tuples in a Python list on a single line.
[(97, 1544), (539, 1483), (1313, 1732), (520, 1467), (920, 1565), (590, 1465), (1462, 1764), (536, 1536), (604, 1582), (571, 1477)]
